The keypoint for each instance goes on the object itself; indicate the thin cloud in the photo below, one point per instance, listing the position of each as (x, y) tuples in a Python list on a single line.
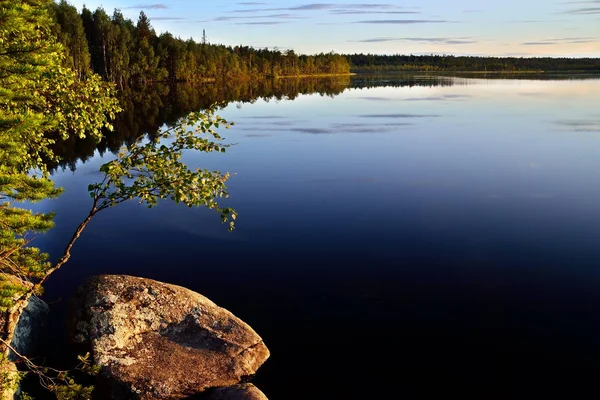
[(166, 18), (157, 6), (315, 6), (579, 125), (517, 54), (326, 7), (376, 40), (275, 16), (401, 21), (462, 40), (538, 43), (261, 23), (569, 40), (574, 40), (529, 21), (363, 12), (583, 11)]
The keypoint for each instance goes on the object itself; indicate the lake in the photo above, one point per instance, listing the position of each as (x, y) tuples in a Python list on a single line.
[(396, 234)]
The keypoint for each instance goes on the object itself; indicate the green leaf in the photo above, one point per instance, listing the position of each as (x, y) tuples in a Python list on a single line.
[(105, 167)]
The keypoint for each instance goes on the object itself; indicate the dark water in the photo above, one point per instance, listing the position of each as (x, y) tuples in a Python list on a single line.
[(396, 236)]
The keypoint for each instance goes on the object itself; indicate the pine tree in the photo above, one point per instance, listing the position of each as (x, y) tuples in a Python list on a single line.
[(38, 98), (119, 47), (101, 36), (69, 31), (145, 62)]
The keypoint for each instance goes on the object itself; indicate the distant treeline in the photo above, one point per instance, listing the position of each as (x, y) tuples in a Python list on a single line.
[(374, 62), (123, 52)]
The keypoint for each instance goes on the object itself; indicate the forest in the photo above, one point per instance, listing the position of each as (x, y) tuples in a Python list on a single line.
[(124, 52), (375, 62)]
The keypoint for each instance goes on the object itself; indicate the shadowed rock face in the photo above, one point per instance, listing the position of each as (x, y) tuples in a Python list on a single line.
[(156, 341)]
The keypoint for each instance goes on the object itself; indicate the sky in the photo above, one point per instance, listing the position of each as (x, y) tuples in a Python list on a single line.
[(516, 28)]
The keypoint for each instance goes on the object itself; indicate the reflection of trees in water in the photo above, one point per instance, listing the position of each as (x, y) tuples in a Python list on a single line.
[(431, 79), (396, 80), (146, 109)]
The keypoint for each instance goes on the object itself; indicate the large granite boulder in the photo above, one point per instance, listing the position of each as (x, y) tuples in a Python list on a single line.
[(155, 340), (244, 391)]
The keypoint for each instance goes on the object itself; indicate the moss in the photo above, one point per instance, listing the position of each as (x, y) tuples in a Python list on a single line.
[(9, 378)]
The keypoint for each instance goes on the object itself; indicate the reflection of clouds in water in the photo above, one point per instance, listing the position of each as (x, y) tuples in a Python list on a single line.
[(538, 195), (335, 128), (258, 128), (276, 123), (366, 130), (581, 125), (440, 98), (347, 125), (399, 115), (534, 196), (370, 128), (282, 123), (431, 98), (313, 131), (427, 98), (358, 125), (431, 184), (373, 98), (457, 96), (264, 117), (366, 179), (531, 94)]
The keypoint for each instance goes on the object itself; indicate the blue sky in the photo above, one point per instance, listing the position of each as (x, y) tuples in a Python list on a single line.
[(471, 27)]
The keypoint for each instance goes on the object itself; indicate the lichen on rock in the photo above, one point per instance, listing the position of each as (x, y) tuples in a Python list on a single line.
[(155, 340)]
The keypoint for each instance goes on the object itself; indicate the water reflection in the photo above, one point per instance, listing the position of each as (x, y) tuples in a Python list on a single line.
[(148, 108), (454, 231)]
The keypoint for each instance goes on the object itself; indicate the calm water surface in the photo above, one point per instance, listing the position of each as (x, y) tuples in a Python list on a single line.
[(390, 237)]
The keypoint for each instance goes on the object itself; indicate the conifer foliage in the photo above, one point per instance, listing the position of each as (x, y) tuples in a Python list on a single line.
[(41, 101)]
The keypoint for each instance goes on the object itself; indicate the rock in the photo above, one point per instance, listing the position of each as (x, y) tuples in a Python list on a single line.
[(155, 340), (246, 391), (30, 327), (22, 326), (9, 381)]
